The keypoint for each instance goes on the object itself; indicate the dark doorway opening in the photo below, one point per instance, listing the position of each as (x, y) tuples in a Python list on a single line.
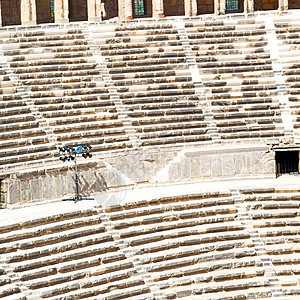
[(205, 7), (10, 12), (265, 5), (174, 8), (110, 9), (294, 4), (45, 11), (78, 10), (287, 162)]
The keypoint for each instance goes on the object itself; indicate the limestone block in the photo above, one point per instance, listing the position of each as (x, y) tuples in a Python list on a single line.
[(268, 163), (186, 168), (14, 191), (240, 163), (25, 191), (36, 188), (205, 165), (174, 171), (28, 12), (228, 166), (255, 163), (216, 165), (195, 167)]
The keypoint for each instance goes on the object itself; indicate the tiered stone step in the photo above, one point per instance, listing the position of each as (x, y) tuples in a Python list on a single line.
[(22, 138), (70, 255), (149, 69), (58, 71), (288, 35), (6, 287), (275, 216), (236, 70), (191, 245)]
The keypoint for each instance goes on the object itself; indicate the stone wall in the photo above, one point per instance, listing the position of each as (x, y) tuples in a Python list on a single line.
[(11, 14), (174, 7), (130, 169), (294, 4), (210, 164), (43, 11), (265, 4), (78, 10), (50, 184), (205, 7)]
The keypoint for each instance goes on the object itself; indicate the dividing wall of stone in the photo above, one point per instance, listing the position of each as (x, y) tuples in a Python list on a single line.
[(47, 184), (132, 168)]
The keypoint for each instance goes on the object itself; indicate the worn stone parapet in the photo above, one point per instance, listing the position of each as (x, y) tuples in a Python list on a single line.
[(50, 184)]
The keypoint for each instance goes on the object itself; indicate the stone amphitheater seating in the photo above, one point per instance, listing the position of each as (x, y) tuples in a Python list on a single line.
[(61, 80), (149, 68), (288, 36), (132, 85), (210, 245), (236, 69), (22, 138)]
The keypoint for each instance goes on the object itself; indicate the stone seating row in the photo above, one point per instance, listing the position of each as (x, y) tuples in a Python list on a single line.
[(47, 52), (208, 24), (116, 53), (274, 215)]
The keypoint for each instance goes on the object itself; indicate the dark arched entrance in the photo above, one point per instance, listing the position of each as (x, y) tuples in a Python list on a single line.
[(45, 11), (294, 4), (234, 6), (78, 10), (110, 9), (10, 12), (205, 7), (265, 4), (174, 8)]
